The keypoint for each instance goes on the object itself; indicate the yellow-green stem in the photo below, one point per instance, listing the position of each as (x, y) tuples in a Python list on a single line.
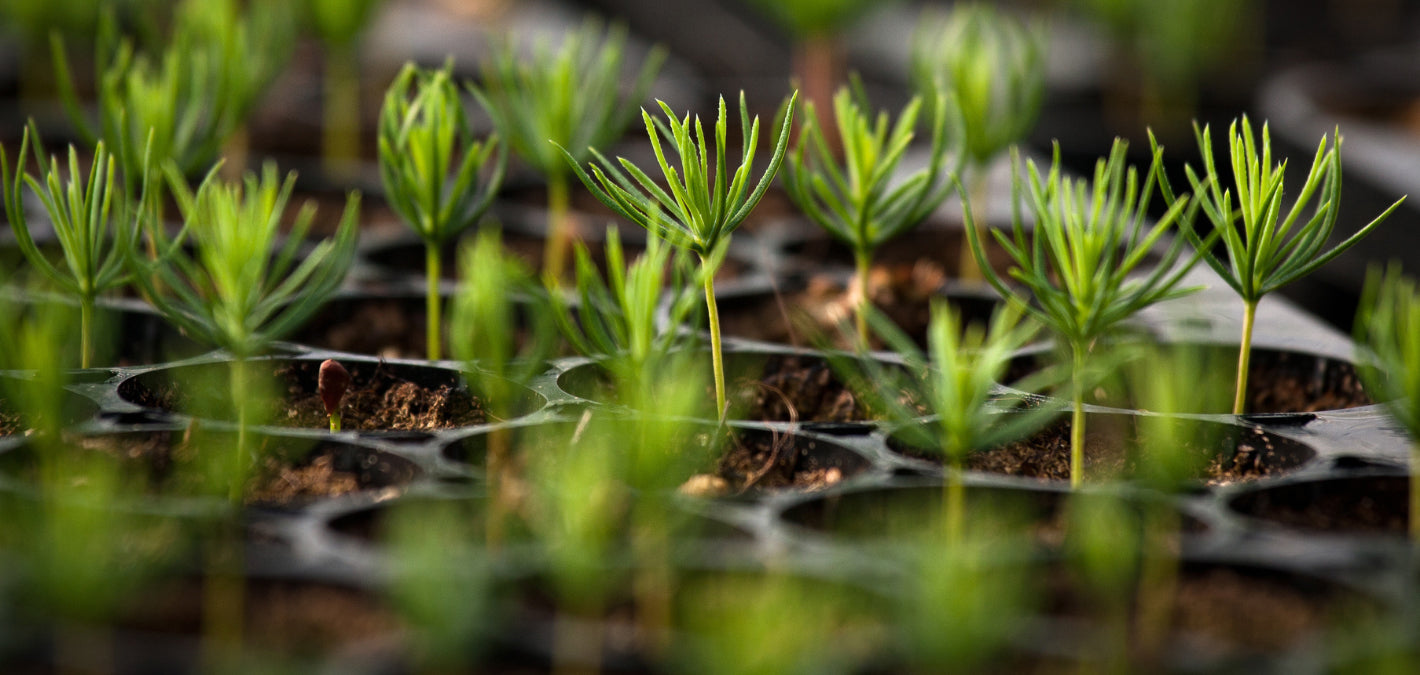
[(1158, 580), (864, 262), (340, 133), (559, 235), (1244, 358), (495, 466), (237, 472), (1414, 494), (954, 501), (223, 600), (717, 361), (1077, 419), (967, 269), (431, 299), (335, 422), (86, 328)]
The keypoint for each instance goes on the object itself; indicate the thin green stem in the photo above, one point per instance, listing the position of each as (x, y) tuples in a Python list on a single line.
[(559, 235), (237, 471), (864, 261), (1414, 494), (335, 420), (954, 501), (340, 134), (432, 301), (86, 328), (967, 269), (1244, 357), (1077, 418), (717, 360)]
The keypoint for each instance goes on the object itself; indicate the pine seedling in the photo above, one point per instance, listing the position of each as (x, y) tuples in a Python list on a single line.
[(95, 223), (1267, 248), (700, 212), (184, 103), (240, 289), (338, 24), (484, 331), (1074, 271), (439, 178), (956, 381), (1388, 359), (572, 97), (992, 67), (615, 316), (332, 381), (864, 200)]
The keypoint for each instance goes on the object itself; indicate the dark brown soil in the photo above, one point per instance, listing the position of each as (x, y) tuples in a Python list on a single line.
[(767, 463), (1360, 505), (391, 328), (801, 389), (823, 311), (10, 423), (1283, 382), (380, 398), (1111, 447), (167, 462)]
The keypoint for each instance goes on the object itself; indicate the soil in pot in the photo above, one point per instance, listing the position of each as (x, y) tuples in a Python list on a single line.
[(291, 470), (1113, 444), (383, 396), (1341, 505), (820, 309), (1279, 381), (762, 387), (757, 460)]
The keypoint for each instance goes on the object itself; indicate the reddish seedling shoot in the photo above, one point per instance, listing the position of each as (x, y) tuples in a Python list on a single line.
[(331, 384)]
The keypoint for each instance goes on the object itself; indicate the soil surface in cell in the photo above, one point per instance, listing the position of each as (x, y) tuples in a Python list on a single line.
[(380, 398), (1112, 451), (170, 463), (768, 462), (1361, 505)]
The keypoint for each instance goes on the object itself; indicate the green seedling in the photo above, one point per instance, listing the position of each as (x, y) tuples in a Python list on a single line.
[(991, 67), (437, 176), (338, 24), (485, 328), (966, 596), (95, 224), (580, 510), (571, 97), (332, 381), (1073, 271), (441, 581), (1267, 249), (615, 317), (864, 200), (771, 622), (956, 381), (1388, 359), (700, 212), (239, 288), (816, 28), (186, 102), (1163, 48)]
